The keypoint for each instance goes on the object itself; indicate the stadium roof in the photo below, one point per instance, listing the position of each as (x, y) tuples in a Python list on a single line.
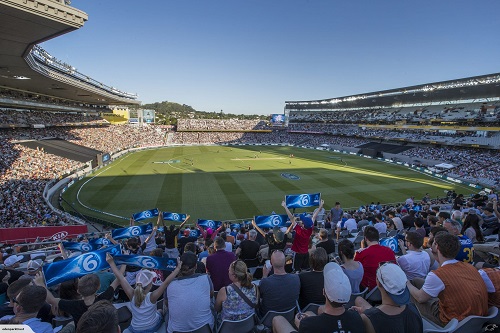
[(472, 88), (25, 23)]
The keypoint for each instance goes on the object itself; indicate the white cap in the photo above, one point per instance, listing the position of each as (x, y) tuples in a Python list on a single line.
[(33, 265), (393, 280), (337, 284), (12, 260), (145, 277)]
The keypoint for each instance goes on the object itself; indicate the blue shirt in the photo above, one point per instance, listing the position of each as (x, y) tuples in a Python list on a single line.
[(38, 326), (466, 252)]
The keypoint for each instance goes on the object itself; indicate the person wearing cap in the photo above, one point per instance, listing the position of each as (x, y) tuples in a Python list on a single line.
[(303, 227), (33, 267), (335, 317), (454, 290), (275, 239), (396, 313), (145, 317), (10, 264), (371, 255), (188, 298)]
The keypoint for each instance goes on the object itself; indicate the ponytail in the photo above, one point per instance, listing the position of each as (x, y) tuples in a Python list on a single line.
[(138, 294)]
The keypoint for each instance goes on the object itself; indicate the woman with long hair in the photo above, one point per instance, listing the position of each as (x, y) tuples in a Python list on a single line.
[(471, 228), (238, 300), (145, 317)]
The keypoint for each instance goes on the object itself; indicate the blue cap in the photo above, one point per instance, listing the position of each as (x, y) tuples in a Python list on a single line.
[(307, 220)]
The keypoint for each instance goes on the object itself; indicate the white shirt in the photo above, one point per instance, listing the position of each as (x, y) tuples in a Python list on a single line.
[(487, 281), (415, 264), (433, 285), (351, 224), (398, 223), (381, 227)]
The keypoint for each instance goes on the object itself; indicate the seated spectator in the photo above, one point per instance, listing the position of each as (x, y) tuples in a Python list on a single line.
[(238, 300), (398, 223), (7, 309), (353, 269), (145, 316), (187, 298), (280, 291), (26, 306), (311, 283), (380, 224), (200, 266), (409, 220), (248, 250), (414, 262), (218, 264), (10, 264), (371, 255), (87, 288), (396, 313), (471, 228), (466, 253), (444, 290), (491, 278), (32, 269), (101, 317), (490, 221), (326, 243), (335, 317), (419, 227)]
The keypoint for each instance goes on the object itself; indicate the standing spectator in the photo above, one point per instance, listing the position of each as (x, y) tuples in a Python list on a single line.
[(303, 231), (171, 235), (371, 255), (336, 214), (279, 291), (414, 262), (276, 239), (442, 294), (311, 283), (218, 264)]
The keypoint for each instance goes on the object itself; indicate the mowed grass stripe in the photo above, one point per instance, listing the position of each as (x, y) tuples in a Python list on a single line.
[(238, 200), (170, 196)]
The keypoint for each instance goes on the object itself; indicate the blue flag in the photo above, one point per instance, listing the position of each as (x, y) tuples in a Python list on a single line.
[(195, 233), (100, 241), (79, 266), (147, 214), (82, 247), (134, 231), (390, 242), (236, 226), (167, 264), (209, 224), (303, 200), (271, 221), (174, 217)]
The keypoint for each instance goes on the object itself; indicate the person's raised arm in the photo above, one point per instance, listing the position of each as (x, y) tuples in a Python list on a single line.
[(187, 218), (152, 234), (155, 295), (202, 231), (63, 250), (288, 212), (315, 214), (116, 282), (217, 231), (39, 280), (495, 209), (110, 238), (258, 229), (129, 291), (132, 222)]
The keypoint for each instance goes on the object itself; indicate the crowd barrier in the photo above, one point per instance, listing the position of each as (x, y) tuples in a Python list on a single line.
[(28, 235)]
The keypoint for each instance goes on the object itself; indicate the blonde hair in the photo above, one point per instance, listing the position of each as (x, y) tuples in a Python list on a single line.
[(241, 272), (139, 294)]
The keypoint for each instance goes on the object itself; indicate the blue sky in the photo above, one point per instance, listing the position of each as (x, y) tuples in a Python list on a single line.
[(250, 56)]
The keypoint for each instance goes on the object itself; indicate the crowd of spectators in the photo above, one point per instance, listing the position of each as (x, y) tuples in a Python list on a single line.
[(221, 125), (241, 272), (29, 118)]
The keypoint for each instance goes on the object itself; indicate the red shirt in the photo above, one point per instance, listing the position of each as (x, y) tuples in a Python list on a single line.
[(370, 258), (301, 240)]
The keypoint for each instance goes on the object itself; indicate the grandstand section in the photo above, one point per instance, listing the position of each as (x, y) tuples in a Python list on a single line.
[(65, 149)]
